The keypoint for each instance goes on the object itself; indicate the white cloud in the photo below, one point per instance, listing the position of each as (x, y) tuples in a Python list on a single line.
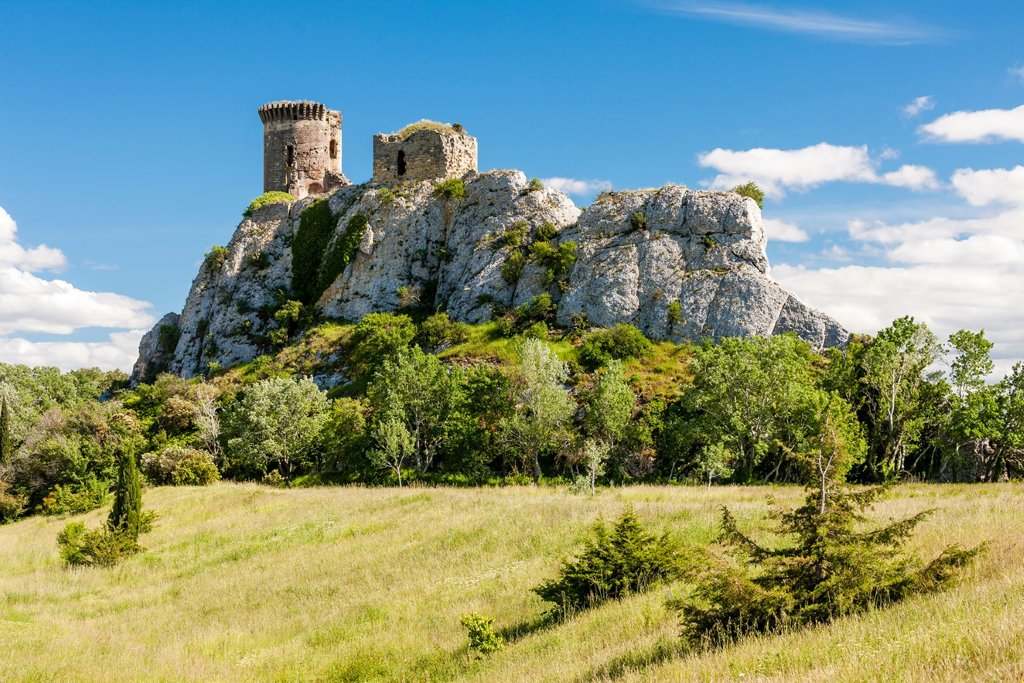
[(1017, 73), (32, 304), (991, 186), (951, 273), (779, 170), (780, 231), (817, 23), (14, 255), (986, 125), (912, 177), (576, 186), (117, 353), (918, 105)]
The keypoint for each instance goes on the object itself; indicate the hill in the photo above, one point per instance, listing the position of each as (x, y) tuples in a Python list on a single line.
[(244, 582), (679, 264)]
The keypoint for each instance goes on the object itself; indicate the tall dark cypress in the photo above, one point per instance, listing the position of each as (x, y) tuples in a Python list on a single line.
[(126, 515), (6, 442)]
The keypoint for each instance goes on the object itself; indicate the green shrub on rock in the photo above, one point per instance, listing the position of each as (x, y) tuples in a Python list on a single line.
[(620, 342), (265, 199)]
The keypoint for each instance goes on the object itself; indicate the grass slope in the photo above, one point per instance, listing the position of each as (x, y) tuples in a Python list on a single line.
[(242, 582)]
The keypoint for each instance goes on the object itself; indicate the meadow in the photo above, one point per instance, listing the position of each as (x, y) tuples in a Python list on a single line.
[(247, 582)]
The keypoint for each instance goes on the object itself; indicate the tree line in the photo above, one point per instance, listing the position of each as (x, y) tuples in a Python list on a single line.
[(570, 406)]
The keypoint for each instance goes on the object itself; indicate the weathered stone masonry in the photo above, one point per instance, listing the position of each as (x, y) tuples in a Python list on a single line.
[(301, 148), (425, 154)]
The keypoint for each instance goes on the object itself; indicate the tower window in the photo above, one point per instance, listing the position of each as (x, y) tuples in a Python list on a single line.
[(401, 163), (291, 155), (334, 149)]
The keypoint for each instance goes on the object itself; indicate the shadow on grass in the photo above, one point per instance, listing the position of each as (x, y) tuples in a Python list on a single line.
[(527, 627), (665, 649)]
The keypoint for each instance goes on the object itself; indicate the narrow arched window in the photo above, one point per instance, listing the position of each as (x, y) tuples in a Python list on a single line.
[(291, 155), (334, 149), (401, 163)]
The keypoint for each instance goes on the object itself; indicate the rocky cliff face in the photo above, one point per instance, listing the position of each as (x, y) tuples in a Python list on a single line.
[(679, 264)]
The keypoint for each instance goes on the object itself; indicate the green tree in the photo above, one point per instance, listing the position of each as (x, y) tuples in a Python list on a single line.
[(344, 437), (610, 405), (423, 393), (544, 406), (277, 421), (749, 396), (126, 514), (895, 367), (830, 568), (394, 444), (6, 437), (972, 362), (379, 336), (594, 457)]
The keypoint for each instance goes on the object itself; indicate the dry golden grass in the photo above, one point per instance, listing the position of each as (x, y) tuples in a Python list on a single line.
[(242, 582)]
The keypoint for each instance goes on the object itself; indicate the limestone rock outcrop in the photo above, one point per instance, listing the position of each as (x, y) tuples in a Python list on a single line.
[(677, 263)]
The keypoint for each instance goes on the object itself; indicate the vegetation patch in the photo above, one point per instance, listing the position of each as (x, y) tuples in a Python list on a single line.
[(427, 124), (340, 253), (309, 245), (274, 197), (751, 190)]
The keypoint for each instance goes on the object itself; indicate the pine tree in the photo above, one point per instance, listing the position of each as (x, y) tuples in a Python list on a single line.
[(126, 515), (6, 445), (830, 568)]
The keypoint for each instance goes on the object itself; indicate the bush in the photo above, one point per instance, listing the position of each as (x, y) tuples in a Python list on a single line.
[(620, 343), (216, 257), (512, 268), (615, 562), (168, 338), (545, 231), (379, 336), (516, 320), (534, 185), (752, 191), (450, 189), (638, 221), (674, 315), (94, 548), (65, 500), (180, 466), (265, 199), (11, 504), (438, 330), (482, 638)]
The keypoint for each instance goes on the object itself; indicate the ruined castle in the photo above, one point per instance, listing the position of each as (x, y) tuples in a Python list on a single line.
[(302, 150)]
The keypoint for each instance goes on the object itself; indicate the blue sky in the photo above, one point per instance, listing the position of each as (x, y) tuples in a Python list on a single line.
[(890, 139)]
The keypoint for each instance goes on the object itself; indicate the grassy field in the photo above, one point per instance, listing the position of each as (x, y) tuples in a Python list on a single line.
[(242, 582)]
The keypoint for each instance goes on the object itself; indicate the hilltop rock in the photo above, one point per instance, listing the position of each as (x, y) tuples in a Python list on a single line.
[(637, 254)]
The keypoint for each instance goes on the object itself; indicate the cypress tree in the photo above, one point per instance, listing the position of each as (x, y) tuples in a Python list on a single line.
[(126, 515), (6, 445)]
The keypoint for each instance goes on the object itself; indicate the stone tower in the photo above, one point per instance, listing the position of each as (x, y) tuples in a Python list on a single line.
[(301, 148), (423, 151)]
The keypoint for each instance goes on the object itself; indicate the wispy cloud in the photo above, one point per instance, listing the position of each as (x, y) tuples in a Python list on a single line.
[(1017, 73), (575, 186), (918, 105), (814, 22)]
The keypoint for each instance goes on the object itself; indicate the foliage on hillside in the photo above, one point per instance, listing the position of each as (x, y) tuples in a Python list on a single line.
[(517, 399)]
